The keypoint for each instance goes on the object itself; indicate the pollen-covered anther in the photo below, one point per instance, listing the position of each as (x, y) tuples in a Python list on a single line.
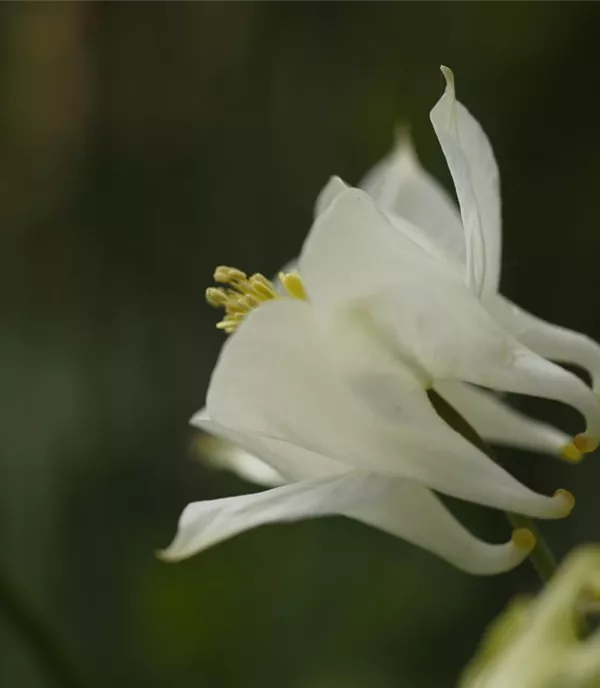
[(585, 443), (235, 304), (567, 498), (292, 283), (570, 453), (227, 275), (262, 287), (244, 293), (216, 297), (247, 303), (524, 539)]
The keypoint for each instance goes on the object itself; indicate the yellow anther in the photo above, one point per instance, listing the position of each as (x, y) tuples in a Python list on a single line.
[(216, 297), (234, 304), (568, 499), (234, 318), (247, 293), (257, 278), (249, 302), (571, 454), (292, 283), (228, 329), (230, 322), (261, 287), (227, 275), (523, 538), (585, 443)]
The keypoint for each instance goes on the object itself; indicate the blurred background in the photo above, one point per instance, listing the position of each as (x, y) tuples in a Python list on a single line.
[(142, 145)]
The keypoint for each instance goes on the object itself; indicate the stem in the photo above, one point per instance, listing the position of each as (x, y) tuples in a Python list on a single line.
[(41, 638), (541, 556)]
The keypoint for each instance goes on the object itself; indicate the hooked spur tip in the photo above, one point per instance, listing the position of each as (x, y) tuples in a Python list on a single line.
[(568, 499), (523, 538), (585, 443), (171, 554), (570, 453)]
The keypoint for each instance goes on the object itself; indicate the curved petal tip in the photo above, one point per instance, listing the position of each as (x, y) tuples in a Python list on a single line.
[(448, 76), (570, 453), (567, 499), (586, 443), (523, 539), (166, 556), (334, 187), (512, 553)]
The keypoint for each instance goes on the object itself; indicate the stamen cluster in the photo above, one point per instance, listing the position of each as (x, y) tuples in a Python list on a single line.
[(244, 293)]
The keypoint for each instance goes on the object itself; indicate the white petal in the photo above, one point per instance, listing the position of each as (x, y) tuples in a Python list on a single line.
[(414, 301), (354, 251), (401, 186), (281, 376), (473, 167), (498, 423), (329, 193), (433, 323), (399, 507), (524, 372), (414, 513), (452, 337), (251, 468), (227, 456), (223, 449), (287, 462), (546, 339), (203, 524)]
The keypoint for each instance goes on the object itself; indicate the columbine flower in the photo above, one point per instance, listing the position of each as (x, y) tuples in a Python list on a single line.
[(538, 643), (326, 378)]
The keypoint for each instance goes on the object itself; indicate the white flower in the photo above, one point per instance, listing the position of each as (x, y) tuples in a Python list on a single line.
[(537, 644), (331, 391)]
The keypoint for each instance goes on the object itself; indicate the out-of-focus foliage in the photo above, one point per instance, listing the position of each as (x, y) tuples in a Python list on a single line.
[(547, 642), (143, 144)]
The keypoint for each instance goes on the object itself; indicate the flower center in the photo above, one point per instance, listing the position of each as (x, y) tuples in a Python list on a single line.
[(242, 293)]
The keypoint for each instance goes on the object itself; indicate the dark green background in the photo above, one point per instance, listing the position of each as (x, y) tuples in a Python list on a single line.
[(140, 146)]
